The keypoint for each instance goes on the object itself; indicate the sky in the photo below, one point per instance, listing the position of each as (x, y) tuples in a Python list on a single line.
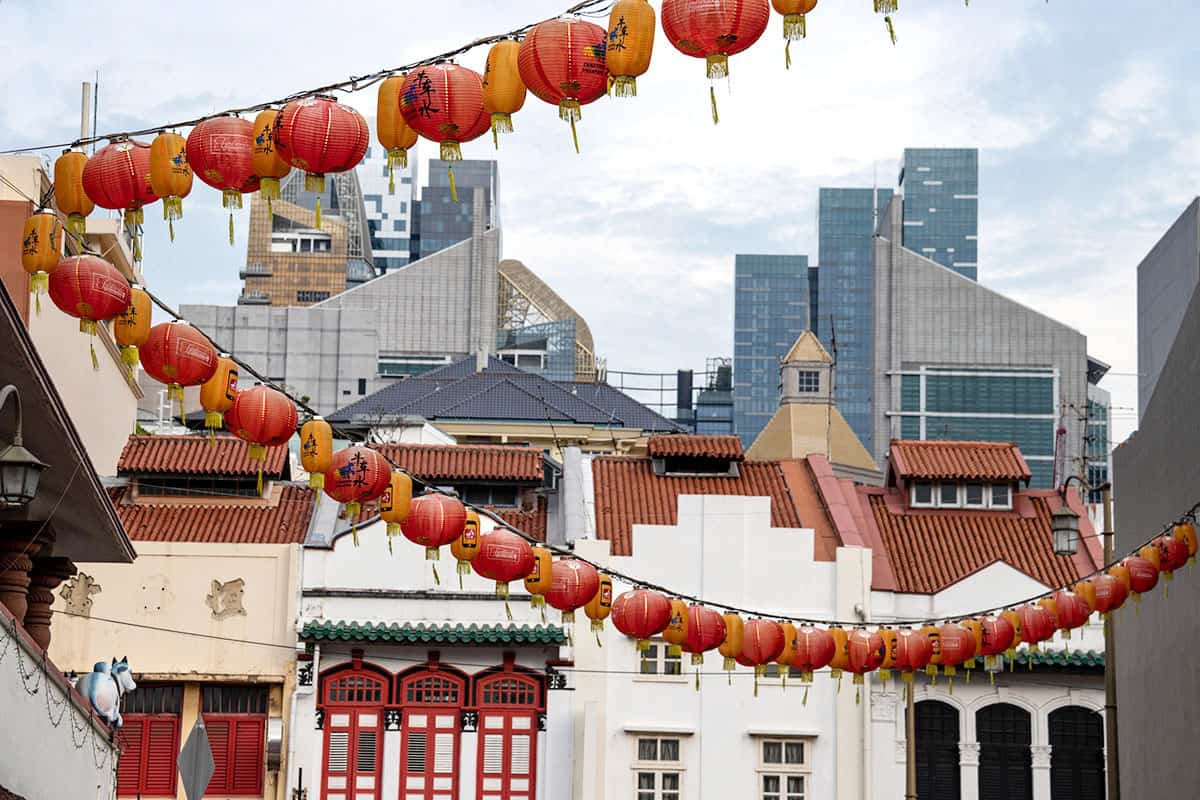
[(1086, 122)]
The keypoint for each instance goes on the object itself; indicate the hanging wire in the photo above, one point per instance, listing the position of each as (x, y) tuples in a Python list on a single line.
[(349, 85)]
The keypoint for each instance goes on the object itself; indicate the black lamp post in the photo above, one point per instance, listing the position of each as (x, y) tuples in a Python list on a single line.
[(20, 469)]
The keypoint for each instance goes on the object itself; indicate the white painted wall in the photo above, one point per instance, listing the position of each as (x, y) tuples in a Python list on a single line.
[(38, 759), (722, 548)]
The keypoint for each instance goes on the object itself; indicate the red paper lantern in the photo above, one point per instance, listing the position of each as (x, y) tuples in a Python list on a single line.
[(865, 651), (444, 104), (221, 151), (562, 61), (1111, 593), (1143, 575), (359, 475), (1172, 554), (642, 614), (320, 135), (117, 177), (91, 290), (714, 30), (265, 418), (502, 557), (958, 645), (1036, 624), (814, 650), (435, 520), (762, 642), (572, 584), (705, 631), (913, 653), (178, 355), (1073, 612), (996, 636)]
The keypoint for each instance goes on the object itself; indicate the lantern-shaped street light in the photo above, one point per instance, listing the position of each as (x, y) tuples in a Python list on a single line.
[(1064, 525), (20, 470)]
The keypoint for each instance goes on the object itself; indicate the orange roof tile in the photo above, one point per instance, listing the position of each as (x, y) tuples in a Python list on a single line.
[(628, 493), (930, 550), (959, 461), (466, 461), (234, 522), (196, 454), (530, 521), (667, 446)]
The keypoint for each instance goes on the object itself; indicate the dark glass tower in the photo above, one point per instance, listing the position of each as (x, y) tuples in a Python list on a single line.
[(941, 206)]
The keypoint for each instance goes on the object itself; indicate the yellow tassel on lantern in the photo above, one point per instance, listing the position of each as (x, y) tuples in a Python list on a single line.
[(570, 111), (886, 6)]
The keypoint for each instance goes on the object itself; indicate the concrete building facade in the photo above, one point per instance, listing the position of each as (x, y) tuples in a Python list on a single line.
[(1166, 279), (1153, 487), (958, 361)]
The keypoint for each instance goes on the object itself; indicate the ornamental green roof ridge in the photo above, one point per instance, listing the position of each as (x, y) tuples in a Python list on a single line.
[(433, 633), (1061, 658)]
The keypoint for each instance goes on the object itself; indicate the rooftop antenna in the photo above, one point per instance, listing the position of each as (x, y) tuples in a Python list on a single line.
[(95, 108)]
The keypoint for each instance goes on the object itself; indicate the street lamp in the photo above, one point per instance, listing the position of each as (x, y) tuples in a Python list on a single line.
[(1064, 525), (20, 469)]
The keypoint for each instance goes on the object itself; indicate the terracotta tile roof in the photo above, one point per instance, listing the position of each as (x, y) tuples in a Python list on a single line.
[(532, 521), (466, 461), (929, 550), (959, 461), (248, 521), (729, 447), (196, 454), (628, 493)]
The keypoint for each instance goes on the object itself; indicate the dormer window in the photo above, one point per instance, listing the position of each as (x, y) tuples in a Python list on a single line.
[(973, 495)]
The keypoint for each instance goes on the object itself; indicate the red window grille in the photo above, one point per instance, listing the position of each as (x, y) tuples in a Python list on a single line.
[(432, 705), (150, 746), (507, 761), (353, 757), (236, 719)]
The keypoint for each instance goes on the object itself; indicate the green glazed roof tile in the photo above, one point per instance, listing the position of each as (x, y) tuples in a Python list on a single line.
[(422, 633), (1061, 658)]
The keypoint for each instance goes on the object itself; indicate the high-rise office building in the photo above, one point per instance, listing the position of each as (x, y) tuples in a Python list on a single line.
[(846, 299), (771, 296), (941, 206), (957, 361), (292, 262), (440, 221), (389, 197)]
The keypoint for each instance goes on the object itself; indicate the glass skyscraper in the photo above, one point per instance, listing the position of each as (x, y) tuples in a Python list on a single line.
[(771, 296), (440, 222), (389, 212), (941, 206), (846, 297)]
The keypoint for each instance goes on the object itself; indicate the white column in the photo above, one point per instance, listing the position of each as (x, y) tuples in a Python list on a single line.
[(1041, 772), (468, 763), (968, 765), (390, 771)]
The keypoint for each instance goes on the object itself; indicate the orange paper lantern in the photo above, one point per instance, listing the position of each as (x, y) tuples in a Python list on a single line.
[(218, 392), (393, 133), (630, 44), (539, 579), (266, 162), (503, 89), (316, 450), (600, 606), (731, 646), (170, 175), (69, 196), (395, 504), (676, 632), (41, 250)]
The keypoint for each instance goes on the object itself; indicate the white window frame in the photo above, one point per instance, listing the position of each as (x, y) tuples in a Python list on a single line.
[(991, 500), (802, 378), (933, 494), (985, 490), (957, 502), (657, 766), (657, 654), (783, 769)]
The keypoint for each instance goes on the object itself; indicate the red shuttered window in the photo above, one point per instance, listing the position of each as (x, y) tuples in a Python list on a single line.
[(353, 702), (236, 719), (508, 731), (150, 742), (147, 765)]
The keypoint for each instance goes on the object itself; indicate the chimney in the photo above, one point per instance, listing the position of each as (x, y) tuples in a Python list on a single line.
[(481, 361), (573, 495)]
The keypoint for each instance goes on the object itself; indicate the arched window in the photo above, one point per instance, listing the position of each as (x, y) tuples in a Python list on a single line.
[(509, 703), (1076, 754), (353, 701), (938, 775), (431, 701), (1005, 760)]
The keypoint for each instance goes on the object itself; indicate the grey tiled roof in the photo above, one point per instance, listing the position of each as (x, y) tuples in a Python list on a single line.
[(502, 392)]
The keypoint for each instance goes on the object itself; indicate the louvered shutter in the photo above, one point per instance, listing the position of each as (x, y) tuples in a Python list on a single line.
[(218, 741), (129, 768), (443, 753), (938, 774), (248, 767), (1077, 754), (162, 748), (339, 751), (416, 752), (1005, 760), (493, 754), (365, 755)]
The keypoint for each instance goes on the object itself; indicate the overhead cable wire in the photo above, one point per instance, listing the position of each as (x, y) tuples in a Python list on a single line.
[(349, 85)]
